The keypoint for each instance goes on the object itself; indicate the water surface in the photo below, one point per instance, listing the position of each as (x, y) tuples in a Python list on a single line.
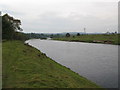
[(97, 62)]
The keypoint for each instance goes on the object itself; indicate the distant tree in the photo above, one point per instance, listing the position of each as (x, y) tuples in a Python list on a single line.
[(108, 32), (78, 34), (51, 36), (112, 33), (115, 32), (67, 35), (42, 34), (58, 35)]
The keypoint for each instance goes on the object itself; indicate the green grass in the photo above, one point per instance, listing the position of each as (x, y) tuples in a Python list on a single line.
[(0, 65), (26, 67), (105, 39)]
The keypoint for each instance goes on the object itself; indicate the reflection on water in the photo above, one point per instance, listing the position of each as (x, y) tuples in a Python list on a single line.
[(97, 62)]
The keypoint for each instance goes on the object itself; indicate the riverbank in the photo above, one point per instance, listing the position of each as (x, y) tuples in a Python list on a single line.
[(102, 38), (0, 65), (27, 67)]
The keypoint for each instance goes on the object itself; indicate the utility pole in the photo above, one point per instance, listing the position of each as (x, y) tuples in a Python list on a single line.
[(85, 30)]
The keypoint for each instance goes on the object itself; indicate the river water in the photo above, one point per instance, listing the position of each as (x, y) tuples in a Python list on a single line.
[(96, 62)]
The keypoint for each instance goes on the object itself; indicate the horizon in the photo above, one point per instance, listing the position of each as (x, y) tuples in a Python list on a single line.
[(72, 32)]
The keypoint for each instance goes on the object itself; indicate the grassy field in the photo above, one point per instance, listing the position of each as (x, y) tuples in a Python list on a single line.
[(0, 65), (105, 39), (26, 67)]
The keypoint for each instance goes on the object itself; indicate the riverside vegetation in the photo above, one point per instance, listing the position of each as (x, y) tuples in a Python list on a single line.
[(26, 67), (98, 38)]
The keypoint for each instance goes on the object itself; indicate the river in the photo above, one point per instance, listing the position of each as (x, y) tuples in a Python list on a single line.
[(96, 62)]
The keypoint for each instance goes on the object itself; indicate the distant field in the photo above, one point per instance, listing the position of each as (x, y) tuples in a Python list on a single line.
[(103, 38), (26, 67)]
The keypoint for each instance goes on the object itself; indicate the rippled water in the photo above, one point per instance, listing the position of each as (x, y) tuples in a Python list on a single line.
[(97, 62)]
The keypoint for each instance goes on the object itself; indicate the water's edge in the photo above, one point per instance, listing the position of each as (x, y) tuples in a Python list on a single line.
[(27, 42), (99, 70)]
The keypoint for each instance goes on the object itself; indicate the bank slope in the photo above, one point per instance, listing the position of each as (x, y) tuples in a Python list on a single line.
[(26, 67)]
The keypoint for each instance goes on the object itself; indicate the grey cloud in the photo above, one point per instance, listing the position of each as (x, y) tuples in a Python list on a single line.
[(52, 22), (7, 9), (64, 16)]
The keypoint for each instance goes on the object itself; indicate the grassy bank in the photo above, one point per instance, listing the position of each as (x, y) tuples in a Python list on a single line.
[(26, 67), (0, 65), (103, 38)]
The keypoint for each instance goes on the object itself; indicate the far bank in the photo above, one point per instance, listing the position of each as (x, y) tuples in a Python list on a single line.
[(98, 38)]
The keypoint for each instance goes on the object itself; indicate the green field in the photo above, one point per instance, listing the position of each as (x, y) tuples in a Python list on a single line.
[(0, 65), (102, 38), (26, 67)]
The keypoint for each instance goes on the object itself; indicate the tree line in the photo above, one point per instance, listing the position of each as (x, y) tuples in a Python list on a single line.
[(11, 30)]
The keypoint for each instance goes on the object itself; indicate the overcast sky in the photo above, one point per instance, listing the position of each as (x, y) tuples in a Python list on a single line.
[(43, 16)]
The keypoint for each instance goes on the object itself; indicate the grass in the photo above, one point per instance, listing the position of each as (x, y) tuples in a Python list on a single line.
[(102, 38), (0, 65), (26, 67)]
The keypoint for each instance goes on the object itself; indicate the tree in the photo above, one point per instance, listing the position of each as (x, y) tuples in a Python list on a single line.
[(78, 34), (9, 27), (115, 32), (67, 35), (51, 36), (108, 32)]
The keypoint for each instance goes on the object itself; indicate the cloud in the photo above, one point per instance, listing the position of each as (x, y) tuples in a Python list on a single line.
[(64, 15), (53, 22)]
